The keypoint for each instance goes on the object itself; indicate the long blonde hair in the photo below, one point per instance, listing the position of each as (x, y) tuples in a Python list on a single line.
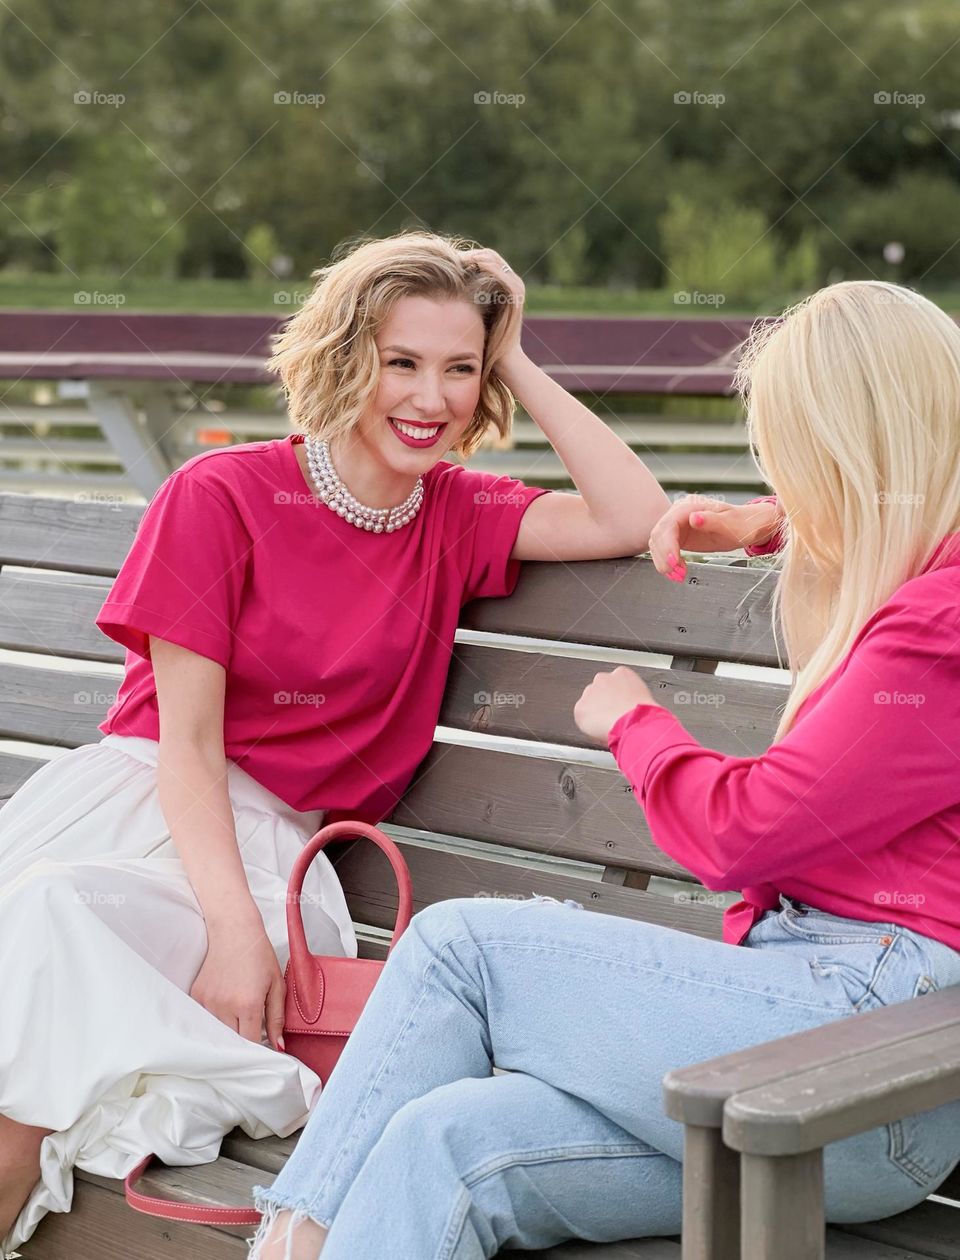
[(326, 355), (853, 411)]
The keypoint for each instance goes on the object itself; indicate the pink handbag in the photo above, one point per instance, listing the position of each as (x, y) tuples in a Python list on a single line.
[(325, 997)]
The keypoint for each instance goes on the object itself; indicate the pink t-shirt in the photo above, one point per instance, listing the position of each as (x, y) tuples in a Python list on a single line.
[(335, 641), (856, 811)]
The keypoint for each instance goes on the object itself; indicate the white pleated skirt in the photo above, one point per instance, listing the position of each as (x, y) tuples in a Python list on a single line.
[(101, 938)]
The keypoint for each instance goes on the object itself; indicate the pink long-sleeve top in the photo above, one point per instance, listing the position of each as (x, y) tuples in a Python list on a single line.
[(856, 811)]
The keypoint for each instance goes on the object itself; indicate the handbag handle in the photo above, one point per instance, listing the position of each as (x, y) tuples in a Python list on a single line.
[(171, 1210), (302, 973)]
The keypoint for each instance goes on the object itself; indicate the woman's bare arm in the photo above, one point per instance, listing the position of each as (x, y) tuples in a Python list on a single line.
[(241, 975)]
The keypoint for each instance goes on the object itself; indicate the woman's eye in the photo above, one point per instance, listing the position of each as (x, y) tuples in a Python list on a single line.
[(460, 367)]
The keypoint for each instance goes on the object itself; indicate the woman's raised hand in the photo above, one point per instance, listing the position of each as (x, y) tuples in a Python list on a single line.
[(497, 265), (241, 982), (697, 523)]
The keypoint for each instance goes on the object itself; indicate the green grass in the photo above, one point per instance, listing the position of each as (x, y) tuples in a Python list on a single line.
[(45, 291)]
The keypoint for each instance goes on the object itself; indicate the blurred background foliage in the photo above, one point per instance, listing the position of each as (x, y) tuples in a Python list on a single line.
[(751, 149)]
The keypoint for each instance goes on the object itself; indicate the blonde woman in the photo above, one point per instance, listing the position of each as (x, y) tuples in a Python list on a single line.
[(288, 610), (843, 837)]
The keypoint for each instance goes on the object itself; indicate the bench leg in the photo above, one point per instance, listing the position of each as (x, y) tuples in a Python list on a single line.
[(711, 1196), (144, 459), (782, 1206)]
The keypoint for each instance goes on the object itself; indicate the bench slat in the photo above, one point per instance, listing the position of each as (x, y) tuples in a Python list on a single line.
[(627, 604), (100, 1226), (84, 537), (567, 809), (530, 696), (14, 772), (53, 706), (54, 616), (371, 891), (269, 1154), (675, 469), (931, 1229)]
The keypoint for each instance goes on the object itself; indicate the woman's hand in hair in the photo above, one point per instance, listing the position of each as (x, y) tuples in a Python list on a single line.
[(607, 699), (696, 523), (489, 260)]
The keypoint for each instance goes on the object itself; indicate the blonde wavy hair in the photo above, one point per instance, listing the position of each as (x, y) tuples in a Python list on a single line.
[(326, 356), (853, 411)]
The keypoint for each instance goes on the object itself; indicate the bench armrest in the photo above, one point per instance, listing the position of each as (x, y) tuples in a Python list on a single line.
[(697, 1095), (809, 1110), (863, 1069)]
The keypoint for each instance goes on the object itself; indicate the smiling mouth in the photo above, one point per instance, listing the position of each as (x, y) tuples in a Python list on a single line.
[(416, 434)]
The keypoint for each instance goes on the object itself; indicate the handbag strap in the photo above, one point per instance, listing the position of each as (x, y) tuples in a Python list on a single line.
[(299, 954), (191, 1213)]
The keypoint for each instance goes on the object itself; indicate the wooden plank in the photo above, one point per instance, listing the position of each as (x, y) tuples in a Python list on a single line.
[(14, 772), (100, 1226), (567, 809), (711, 1186), (48, 615), (782, 1206), (673, 469), (83, 537), (842, 1246), (371, 891), (65, 485), (527, 695), (268, 1154), (644, 431), (931, 1229), (720, 612), (83, 450), (828, 1103), (53, 706)]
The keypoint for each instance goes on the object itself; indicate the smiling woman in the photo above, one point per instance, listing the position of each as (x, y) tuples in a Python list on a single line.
[(414, 342)]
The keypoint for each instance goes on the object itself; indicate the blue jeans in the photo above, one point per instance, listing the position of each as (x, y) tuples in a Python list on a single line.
[(417, 1151)]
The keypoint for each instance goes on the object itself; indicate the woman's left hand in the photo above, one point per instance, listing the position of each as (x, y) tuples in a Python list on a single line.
[(608, 698), (497, 265)]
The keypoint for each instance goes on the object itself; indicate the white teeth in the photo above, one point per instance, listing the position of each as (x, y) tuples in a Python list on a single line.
[(416, 433)]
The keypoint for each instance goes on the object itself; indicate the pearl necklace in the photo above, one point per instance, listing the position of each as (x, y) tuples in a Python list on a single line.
[(332, 492)]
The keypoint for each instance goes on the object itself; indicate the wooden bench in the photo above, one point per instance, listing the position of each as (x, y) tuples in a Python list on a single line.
[(539, 812)]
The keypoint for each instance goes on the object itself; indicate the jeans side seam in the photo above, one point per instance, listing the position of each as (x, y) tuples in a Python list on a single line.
[(558, 1155), (658, 971)]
